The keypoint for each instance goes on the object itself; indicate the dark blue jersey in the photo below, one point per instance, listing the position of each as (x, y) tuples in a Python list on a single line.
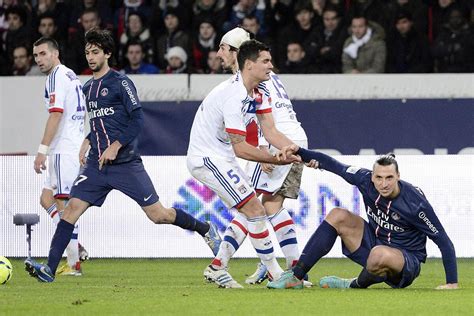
[(403, 222), (115, 114)]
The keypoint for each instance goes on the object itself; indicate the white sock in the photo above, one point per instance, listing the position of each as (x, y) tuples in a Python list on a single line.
[(234, 236), (261, 241), (54, 213), (72, 250), (285, 231)]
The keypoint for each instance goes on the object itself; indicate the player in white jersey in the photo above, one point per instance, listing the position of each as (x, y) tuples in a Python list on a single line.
[(275, 182), (61, 141), (218, 136)]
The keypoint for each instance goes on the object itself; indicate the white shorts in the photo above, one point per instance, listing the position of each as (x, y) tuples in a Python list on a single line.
[(63, 169), (224, 177), (272, 183)]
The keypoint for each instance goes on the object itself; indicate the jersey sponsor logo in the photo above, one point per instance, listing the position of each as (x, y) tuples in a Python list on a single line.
[(101, 112), (104, 92), (352, 169), (382, 220), (129, 92), (52, 99), (289, 106), (77, 117), (428, 223)]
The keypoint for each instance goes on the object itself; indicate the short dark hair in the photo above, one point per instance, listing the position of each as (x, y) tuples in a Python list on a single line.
[(47, 15), (360, 16), (91, 10), (135, 42), (18, 10), (250, 50), (52, 44), (25, 46), (102, 39), (387, 160)]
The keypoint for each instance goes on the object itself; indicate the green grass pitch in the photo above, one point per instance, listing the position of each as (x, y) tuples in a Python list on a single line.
[(176, 287)]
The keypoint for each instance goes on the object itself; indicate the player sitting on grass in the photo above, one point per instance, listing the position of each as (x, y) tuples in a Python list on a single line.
[(391, 246)]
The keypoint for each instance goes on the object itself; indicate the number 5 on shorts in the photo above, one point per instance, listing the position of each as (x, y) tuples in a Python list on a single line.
[(233, 176), (80, 179)]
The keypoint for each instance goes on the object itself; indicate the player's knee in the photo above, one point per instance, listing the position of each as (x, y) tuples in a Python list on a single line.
[(338, 217), (378, 259)]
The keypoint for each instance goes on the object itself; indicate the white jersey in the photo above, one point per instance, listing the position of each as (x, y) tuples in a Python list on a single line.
[(282, 110), (63, 93), (226, 109)]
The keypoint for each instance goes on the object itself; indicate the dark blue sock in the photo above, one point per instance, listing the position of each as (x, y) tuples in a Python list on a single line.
[(318, 246), (186, 221), (61, 239), (366, 279)]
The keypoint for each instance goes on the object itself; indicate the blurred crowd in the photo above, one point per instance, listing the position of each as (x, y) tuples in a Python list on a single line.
[(305, 36)]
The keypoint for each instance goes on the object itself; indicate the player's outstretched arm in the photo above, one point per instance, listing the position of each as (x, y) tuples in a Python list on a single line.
[(246, 151), (271, 133)]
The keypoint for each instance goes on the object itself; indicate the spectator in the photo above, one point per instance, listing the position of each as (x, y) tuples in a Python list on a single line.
[(245, 8), (23, 64), (136, 31), (204, 42), (177, 58), (47, 28), (295, 63), (213, 63), (60, 13), (374, 10), (330, 42), (279, 15), (173, 36), (181, 7), (135, 56), (407, 48), (216, 10), (417, 9), (17, 33), (304, 31), (252, 25), (453, 49), (364, 51), (124, 11), (102, 7), (75, 58)]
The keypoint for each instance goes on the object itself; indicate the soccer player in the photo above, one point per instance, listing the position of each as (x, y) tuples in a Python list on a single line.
[(391, 246), (218, 136), (113, 162), (276, 183), (61, 141)]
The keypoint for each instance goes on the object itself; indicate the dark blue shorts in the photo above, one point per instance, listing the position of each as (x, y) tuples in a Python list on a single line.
[(92, 185), (411, 268)]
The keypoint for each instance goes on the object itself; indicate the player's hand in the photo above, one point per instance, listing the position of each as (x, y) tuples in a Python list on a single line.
[(267, 167), (312, 164), (109, 154), (289, 150), (83, 151), (40, 163), (448, 286)]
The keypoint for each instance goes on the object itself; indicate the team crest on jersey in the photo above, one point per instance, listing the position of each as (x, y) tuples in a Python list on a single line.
[(258, 96), (104, 92), (242, 189), (52, 99), (395, 216)]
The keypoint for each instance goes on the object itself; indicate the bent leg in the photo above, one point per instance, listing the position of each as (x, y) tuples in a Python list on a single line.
[(159, 214), (339, 222)]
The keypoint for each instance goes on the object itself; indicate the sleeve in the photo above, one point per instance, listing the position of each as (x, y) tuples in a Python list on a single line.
[(135, 125), (263, 99), (427, 222), (233, 117), (129, 95), (353, 175), (57, 84)]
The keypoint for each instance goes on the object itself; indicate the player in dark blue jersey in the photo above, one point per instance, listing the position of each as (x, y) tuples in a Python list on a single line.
[(391, 245), (113, 162)]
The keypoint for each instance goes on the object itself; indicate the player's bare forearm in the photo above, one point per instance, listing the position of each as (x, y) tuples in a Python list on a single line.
[(51, 127), (246, 151), (271, 133), (82, 152)]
